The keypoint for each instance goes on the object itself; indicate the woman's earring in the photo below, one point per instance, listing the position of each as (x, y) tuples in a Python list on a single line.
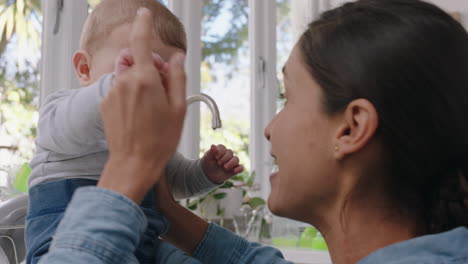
[(336, 148)]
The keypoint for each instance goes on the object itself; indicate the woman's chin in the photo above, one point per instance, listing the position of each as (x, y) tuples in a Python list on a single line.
[(273, 205), (276, 202)]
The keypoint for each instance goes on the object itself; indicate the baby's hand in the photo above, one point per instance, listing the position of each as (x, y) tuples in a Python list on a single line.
[(125, 60), (220, 164)]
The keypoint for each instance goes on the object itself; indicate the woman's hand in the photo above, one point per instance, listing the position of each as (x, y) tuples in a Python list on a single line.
[(142, 119)]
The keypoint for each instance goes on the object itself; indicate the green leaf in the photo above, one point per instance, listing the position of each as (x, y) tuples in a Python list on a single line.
[(251, 179), (21, 179), (238, 177), (256, 202), (227, 185), (220, 211), (193, 205), (219, 196)]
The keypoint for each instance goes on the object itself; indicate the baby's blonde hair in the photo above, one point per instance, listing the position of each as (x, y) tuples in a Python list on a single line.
[(110, 14)]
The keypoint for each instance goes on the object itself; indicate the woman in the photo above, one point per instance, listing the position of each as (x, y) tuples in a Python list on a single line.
[(371, 146), (372, 143)]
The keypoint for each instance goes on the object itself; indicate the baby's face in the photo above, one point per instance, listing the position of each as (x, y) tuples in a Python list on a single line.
[(103, 59)]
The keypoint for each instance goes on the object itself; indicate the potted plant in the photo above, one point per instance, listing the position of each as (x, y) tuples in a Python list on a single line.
[(221, 204)]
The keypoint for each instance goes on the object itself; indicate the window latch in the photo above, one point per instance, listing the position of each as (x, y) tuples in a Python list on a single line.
[(262, 71), (58, 14)]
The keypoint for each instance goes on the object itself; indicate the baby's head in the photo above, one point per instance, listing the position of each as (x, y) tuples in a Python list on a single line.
[(107, 32)]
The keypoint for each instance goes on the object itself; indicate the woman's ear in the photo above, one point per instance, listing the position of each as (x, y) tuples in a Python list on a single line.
[(81, 63), (358, 126)]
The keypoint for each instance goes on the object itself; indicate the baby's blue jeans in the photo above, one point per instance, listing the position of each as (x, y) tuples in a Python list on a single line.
[(47, 204)]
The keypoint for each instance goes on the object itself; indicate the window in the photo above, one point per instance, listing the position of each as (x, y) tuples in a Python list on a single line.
[(92, 4), (225, 75), (20, 43), (284, 42)]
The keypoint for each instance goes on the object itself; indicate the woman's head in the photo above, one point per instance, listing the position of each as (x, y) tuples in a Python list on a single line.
[(381, 110)]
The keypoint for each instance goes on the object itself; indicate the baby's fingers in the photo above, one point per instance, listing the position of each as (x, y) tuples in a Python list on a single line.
[(227, 156), (211, 154), (238, 169), (221, 151), (231, 163), (213, 150)]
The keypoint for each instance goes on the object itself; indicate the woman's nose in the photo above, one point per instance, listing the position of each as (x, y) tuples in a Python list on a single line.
[(267, 131)]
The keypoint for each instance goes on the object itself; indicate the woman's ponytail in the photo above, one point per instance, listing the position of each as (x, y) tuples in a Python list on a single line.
[(449, 207)]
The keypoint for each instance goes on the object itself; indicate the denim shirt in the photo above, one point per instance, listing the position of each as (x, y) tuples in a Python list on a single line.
[(101, 226), (445, 248)]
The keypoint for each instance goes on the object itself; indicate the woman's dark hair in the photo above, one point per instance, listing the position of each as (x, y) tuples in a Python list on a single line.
[(410, 60)]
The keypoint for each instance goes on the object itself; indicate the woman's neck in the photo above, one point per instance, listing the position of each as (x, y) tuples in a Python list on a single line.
[(360, 232)]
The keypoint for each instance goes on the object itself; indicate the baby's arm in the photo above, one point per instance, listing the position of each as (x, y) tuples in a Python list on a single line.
[(186, 177), (70, 121)]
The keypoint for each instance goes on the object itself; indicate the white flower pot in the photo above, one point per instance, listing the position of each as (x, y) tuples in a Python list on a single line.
[(231, 203)]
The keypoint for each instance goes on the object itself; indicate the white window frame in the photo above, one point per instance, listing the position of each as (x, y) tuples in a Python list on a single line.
[(190, 13), (263, 87), (57, 71)]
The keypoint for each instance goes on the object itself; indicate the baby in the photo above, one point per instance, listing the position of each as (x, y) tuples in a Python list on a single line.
[(71, 144)]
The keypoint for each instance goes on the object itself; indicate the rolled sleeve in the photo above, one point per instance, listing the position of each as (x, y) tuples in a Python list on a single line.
[(222, 246)]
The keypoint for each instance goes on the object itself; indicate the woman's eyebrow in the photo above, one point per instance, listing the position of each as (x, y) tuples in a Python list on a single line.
[(284, 71)]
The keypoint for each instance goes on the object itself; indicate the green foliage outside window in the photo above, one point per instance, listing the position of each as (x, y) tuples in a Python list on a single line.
[(20, 31)]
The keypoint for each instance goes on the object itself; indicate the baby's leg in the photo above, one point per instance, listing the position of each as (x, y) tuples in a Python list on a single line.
[(47, 204)]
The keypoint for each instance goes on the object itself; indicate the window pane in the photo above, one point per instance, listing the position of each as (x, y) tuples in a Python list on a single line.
[(19, 86), (92, 4), (225, 75), (284, 42)]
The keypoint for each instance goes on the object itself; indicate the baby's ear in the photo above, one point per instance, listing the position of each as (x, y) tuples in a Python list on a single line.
[(81, 63)]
